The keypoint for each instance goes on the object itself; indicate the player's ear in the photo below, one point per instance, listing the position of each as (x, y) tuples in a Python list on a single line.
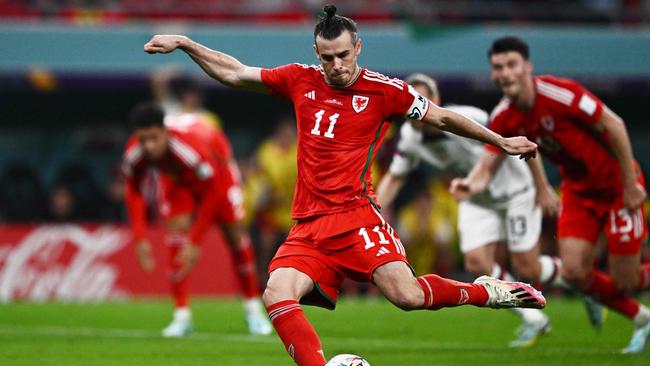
[(316, 50), (529, 66), (357, 47)]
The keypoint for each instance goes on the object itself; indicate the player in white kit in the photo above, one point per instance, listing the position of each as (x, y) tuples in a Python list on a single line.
[(505, 212)]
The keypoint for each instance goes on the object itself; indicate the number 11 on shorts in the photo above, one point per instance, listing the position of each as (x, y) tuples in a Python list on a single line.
[(366, 237)]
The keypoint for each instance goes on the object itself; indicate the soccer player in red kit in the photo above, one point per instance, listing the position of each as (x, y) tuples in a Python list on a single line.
[(602, 186), (342, 113), (197, 183)]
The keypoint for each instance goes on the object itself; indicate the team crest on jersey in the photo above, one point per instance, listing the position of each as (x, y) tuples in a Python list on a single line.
[(548, 123), (359, 103)]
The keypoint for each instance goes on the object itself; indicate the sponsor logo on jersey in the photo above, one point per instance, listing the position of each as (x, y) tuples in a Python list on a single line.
[(359, 103), (382, 251), (311, 95), (464, 296), (333, 101)]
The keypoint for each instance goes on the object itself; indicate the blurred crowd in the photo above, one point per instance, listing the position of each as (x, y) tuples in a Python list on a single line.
[(298, 11)]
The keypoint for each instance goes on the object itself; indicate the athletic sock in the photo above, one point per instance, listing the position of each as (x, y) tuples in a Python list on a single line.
[(440, 292), (244, 257), (551, 272), (527, 315), (182, 314), (602, 289), (179, 286), (642, 317), (299, 337)]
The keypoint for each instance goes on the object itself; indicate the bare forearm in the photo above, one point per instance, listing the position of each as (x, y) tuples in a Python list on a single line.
[(458, 124), (538, 172), (220, 66), (483, 171), (388, 187)]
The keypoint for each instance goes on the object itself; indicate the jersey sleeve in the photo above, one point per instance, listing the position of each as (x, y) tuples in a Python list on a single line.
[(279, 80), (136, 208), (405, 158), (403, 101), (585, 107)]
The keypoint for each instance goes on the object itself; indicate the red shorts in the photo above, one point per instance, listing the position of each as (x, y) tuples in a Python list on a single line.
[(585, 217), (332, 247), (175, 199)]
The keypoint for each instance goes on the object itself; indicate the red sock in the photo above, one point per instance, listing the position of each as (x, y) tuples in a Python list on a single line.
[(244, 257), (442, 292), (644, 276), (602, 289), (179, 287), (299, 337)]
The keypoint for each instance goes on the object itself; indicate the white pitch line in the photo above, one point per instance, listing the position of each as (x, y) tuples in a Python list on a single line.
[(414, 345)]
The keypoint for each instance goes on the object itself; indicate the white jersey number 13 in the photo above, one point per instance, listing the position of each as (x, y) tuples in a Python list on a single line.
[(330, 130)]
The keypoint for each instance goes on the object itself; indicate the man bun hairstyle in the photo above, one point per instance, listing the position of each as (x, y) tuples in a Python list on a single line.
[(145, 115), (509, 44), (331, 25)]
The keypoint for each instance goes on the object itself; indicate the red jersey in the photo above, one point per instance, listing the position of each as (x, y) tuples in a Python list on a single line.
[(561, 123), (339, 133), (197, 155)]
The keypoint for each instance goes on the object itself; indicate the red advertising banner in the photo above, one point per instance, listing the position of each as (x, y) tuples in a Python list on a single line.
[(74, 262)]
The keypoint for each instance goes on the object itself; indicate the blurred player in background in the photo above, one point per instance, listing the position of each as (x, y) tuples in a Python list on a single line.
[(341, 111), (505, 211), (178, 94), (602, 188), (276, 159), (198, 184)]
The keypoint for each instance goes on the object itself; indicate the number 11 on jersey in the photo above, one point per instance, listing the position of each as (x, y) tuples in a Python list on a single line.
[(330, 130)]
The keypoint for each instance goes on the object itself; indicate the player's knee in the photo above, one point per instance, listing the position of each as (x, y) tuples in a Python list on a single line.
[(574, 274), (407, 297), (525, 270), (477, 266), (272, 294)]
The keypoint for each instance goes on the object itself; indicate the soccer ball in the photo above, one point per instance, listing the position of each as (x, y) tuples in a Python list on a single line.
[(347, 360)]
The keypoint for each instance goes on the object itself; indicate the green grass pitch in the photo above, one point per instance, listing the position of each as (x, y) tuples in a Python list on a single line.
[(128, 334)]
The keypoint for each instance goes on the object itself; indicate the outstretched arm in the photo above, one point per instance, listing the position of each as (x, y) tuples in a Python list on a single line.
[(453, 122), (478, 178), (220, 66)]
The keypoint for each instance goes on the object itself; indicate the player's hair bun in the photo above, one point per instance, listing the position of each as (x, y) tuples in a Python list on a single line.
[(330, 11)]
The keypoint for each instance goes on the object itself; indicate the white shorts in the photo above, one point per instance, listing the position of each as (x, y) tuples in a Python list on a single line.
[(519, 224)]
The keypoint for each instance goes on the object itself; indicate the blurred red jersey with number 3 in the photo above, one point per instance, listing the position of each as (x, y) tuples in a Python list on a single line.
[(339, 132)]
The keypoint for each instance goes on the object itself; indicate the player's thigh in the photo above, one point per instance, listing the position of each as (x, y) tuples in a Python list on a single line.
[(577, 256), (397, 283), (180, 223), (523, 224), (624, 270), (287, 284), (480, 260), (479, 226)]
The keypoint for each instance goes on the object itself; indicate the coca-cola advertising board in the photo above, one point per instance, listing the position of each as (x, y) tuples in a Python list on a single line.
[(74, 262)]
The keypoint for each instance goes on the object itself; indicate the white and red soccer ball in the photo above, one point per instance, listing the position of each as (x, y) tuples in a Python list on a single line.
[(347, 360)]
